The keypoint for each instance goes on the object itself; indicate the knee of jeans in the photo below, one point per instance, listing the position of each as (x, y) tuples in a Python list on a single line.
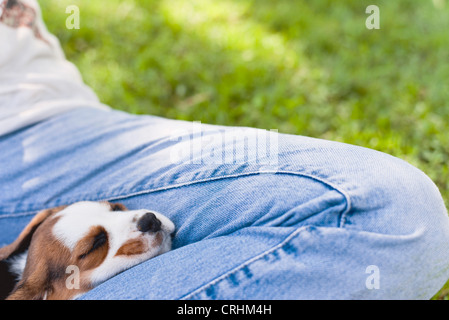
[(394, 197)]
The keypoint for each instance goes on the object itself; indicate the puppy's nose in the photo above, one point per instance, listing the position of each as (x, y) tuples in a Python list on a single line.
[(148, 223)]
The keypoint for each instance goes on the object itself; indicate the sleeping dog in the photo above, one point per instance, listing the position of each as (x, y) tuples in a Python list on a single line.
[(87, 241)]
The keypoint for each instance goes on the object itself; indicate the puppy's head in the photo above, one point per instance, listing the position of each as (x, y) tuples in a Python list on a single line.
[(66, 251)]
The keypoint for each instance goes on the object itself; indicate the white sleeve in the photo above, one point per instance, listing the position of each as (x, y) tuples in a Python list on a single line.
[(36, 80)]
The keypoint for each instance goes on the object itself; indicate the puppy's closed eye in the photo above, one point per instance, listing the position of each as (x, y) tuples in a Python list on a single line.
[(93, 249), (95, 242), (100, 240)]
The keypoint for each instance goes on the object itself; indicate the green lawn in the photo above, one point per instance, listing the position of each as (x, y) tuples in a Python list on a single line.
[(302, 67)]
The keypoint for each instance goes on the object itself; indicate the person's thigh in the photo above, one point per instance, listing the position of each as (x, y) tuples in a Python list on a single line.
[(305, 221)]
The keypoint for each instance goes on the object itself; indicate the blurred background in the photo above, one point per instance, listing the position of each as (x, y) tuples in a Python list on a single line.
[(303, 67)]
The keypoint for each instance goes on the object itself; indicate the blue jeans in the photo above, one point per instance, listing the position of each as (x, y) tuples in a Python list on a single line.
[(326, 220)]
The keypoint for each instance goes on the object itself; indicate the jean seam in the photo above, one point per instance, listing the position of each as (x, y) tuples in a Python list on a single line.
[(342, 219), (244, 264), (17, 215)]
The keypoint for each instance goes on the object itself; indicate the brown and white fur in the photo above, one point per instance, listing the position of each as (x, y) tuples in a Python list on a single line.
[(96, 239)]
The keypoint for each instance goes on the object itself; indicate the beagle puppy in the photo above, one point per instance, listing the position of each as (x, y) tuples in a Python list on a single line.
[(66, 251)]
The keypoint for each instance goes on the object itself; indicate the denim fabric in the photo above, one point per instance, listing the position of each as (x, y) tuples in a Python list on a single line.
[(308, 225)]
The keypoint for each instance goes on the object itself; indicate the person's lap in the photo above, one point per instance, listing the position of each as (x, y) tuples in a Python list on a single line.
[(306, 225)]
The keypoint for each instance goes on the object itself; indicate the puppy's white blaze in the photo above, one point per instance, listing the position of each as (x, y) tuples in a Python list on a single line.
[(76, 220)]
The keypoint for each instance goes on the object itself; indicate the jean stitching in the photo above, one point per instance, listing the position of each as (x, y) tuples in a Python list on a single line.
[(173, 186), (343, 192), (245, 264), (17, 215)]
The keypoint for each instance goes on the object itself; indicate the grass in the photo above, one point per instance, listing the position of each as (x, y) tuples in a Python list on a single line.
[(302, 67)]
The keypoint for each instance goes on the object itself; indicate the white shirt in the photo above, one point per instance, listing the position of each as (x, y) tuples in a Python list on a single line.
[(36, 81)]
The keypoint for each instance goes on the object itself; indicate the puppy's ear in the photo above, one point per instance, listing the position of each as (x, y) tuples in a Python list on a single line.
[(117, 206), (26, 291), (23, 240), (20, 245)]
